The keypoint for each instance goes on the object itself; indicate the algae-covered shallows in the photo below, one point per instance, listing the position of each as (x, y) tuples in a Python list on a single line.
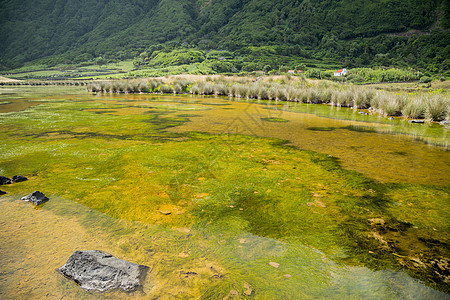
[(238, 192)]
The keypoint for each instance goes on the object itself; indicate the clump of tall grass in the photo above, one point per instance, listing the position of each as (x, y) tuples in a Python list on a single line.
[(208, 89), (220, 89), (280, 94), (271, 93), (326, 94), (362, 98), (177, 88), (181, 85), (437, 107), (166, 88), (414, 107), (262, 91), (129, 88), (290, 93), (388, 104), (342, 98), (94, 88), (143, 87), (153, 85), (240, 91), (202, 88), (313, 95)]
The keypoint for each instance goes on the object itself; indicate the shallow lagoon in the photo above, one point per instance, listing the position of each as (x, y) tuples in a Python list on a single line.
[(208, 192)]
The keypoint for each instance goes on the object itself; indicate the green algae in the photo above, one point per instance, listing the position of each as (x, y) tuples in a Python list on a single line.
[(274, 120), (209, 212)]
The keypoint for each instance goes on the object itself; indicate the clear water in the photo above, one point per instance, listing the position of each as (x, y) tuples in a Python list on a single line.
[(212, 196)]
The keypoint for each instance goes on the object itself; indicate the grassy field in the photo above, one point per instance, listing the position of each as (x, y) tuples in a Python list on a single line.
[(40, 72)]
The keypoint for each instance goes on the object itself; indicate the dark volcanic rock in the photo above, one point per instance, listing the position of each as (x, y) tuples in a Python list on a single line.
[(18, 178), (416, 121), (3, 192), (37, 198), (5, 180), (97, 270)]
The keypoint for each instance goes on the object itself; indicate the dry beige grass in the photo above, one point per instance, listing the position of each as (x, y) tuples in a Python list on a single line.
[(4, 79)]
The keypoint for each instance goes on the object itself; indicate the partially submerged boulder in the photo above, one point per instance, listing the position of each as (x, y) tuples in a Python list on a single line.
[(37, 198), (416, 121), (18, 178), (5, 180), (97, 270)]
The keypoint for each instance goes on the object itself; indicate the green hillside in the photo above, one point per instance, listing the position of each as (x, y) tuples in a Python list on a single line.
[(347, 32)]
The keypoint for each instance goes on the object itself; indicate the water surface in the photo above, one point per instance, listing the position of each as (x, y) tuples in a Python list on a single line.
[(222, 199)]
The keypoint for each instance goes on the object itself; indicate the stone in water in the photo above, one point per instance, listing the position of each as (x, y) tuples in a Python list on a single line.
[(18, 178), (97, 270), (37, 198), (5, 180)]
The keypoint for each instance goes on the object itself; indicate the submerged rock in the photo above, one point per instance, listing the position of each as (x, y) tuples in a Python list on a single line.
[(37, 198), (274, 264), (5, 180), (446, 124), (248, 289), (97, 270), (377, 222), (18, 178), (417, 121)]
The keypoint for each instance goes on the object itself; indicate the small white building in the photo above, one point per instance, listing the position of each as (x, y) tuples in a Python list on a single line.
[(342, 72)]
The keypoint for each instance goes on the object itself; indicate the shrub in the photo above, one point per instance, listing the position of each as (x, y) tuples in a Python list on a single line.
[(355, 78), (426, 79)]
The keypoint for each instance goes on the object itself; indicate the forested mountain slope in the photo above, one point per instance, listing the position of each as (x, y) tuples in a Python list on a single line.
[(345, 30)]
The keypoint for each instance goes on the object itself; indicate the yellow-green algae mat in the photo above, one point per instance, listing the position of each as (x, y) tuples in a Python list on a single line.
[(215, 216)]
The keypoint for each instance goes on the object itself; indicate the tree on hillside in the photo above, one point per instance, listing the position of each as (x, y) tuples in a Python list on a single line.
[(100, 61)]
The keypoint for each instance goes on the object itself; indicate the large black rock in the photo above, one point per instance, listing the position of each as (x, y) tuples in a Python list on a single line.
[(5, 180), (37, 198), (97, 270), (18, 178)]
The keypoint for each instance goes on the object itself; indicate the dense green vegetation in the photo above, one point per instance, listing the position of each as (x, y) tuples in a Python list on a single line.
[(228, 36)]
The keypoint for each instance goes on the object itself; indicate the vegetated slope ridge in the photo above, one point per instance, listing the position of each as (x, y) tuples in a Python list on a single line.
[(81, 30)]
